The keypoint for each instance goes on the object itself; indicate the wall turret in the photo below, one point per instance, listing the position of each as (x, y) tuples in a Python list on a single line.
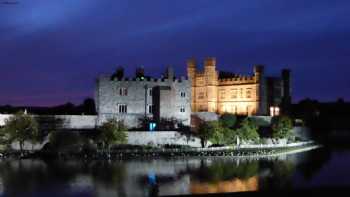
[(140, 72), (286, 91), (191, 69), (258, 72), (210, 71), (169, 74)]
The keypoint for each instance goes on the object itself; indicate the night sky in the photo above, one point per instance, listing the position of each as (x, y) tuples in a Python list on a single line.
[(52, 51)]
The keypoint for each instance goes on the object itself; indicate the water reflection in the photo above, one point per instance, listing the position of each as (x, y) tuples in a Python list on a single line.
[(156, 177)]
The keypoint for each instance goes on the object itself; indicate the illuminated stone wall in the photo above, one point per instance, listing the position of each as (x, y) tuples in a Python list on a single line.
[(243, 95), (174, 99)]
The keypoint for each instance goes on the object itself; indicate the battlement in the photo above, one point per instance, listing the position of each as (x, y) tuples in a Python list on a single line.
[(168, 77), (237, 80), (147, 79)]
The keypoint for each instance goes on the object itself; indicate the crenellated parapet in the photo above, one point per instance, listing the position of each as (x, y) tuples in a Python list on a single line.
[(151, 79), (238, 80)]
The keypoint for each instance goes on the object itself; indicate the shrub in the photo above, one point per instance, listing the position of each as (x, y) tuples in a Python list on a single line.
[(217, 132), (21, 127), (231, 135), (112, 132), (281, 127), (228, 120), (248, 130), (213, 131)]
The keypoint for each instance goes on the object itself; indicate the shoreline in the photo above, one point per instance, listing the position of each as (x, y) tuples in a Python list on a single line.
[(230, 152)]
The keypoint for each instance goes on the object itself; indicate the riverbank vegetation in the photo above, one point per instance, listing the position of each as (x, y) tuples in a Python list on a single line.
[(230, 129), (111, 136), (21, 127)]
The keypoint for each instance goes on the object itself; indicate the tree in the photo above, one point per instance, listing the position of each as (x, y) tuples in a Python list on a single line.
[(228, 120), (217, 132), (111, 132), (231, 135), (281, 127), (89, 107), (248, 130), (21, 127), (212, 131), (204, 133)]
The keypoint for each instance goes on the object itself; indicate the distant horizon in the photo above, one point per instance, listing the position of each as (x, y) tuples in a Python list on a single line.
[(79, 97), (81, 102)]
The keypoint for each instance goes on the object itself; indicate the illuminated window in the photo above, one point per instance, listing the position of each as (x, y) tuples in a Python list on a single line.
[(122, 108), (274, 111), (277, 111), (123, 91), (201, 95), (234, 93), (249, 93), (222, 94)]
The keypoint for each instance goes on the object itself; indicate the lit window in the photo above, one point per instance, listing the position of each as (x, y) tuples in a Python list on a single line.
[(201, 95), (123, 91), (222, 94), (274, 111), (122, 108), (234, 93), (183, 94), (277, 111), (182, 109), (249, 93)]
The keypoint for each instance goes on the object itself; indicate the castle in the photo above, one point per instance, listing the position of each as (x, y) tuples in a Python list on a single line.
[(221, 92), (208, 90), (132, 99)]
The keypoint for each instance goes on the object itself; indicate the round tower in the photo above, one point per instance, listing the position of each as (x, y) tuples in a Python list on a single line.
[(191, 68), (210, 70)]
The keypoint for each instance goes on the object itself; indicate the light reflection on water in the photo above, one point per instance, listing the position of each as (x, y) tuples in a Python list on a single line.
[(162, 177)]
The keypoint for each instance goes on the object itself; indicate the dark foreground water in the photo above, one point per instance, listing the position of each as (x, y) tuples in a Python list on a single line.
[(315, 168)]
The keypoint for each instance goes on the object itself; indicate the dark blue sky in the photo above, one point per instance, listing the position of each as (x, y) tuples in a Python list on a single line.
[(52, 51)]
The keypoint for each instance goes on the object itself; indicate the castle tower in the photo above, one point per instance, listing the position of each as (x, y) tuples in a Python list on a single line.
[(211, 77), (261, 91), (258, 72), (210, 71), (286, 91), (191, 69), (191, 74), (169, 73)]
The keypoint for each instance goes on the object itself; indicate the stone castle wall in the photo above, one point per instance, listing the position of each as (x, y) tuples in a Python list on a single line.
[(108, 98), (161, 138)]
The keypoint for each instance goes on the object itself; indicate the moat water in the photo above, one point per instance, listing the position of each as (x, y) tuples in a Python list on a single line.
[(315, 168)]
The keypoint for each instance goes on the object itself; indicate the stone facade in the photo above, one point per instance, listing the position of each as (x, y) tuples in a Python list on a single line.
[(221, 92), (133, 99)]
